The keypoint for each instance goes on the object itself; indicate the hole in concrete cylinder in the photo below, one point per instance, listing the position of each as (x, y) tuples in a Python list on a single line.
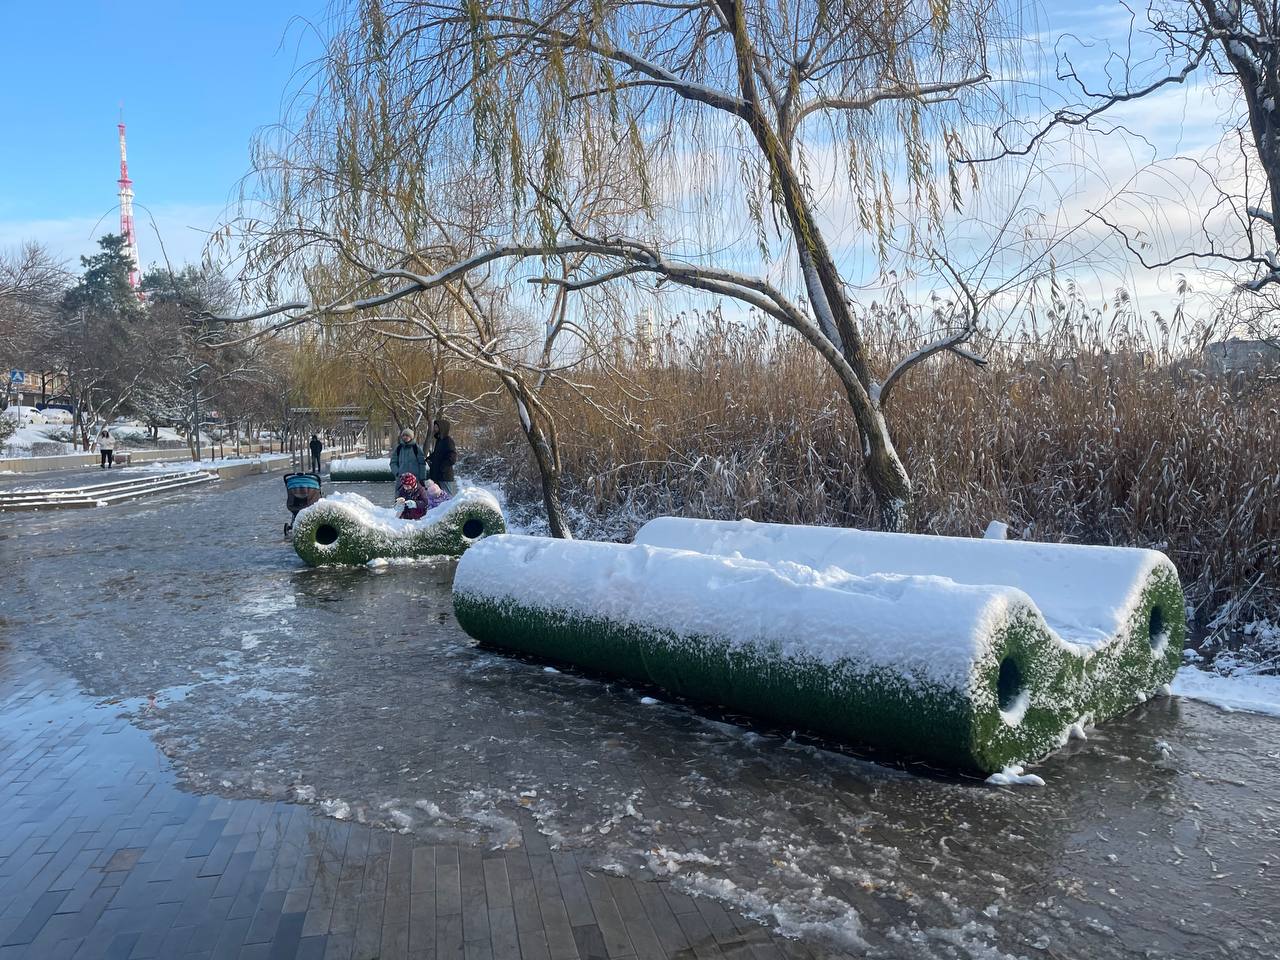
[(472, 528), (1156, 628), (1009, 686), (326, 534)]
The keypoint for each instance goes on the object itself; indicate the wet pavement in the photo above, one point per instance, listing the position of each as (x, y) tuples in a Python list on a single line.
[(328, 700)]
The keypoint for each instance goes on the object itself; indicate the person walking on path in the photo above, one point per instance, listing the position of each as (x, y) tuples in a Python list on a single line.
[(317, 445), (443, 456), (107, 449), (407, 457)]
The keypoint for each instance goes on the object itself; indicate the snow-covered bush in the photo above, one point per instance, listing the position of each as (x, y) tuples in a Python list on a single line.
[(133, 437)]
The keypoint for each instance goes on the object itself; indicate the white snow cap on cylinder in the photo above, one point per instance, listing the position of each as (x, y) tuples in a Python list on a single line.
[(1086, 594)]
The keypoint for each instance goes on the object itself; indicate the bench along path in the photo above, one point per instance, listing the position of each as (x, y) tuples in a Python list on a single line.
[(102, 494)]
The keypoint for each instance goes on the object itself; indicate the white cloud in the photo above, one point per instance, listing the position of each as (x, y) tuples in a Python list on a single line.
[(180, 231)]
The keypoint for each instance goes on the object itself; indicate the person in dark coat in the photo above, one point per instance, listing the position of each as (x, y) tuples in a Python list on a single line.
[(407, 457), (443, 456), (317, 445)]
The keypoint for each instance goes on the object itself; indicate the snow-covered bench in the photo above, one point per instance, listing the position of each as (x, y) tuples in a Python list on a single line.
[(360, 468), (974, 653), (346, 528)]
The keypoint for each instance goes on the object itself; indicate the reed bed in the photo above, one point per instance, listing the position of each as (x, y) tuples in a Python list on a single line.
[(1089, 435)]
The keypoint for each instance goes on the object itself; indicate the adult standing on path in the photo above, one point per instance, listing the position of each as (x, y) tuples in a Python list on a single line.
[(107, 449), (407, 457), (443, 456), (317, 445)]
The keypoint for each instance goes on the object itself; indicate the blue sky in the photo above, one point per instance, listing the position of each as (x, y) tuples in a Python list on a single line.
[(196, 79)]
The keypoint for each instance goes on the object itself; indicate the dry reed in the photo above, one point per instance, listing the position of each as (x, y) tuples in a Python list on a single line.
[(1090, 435)]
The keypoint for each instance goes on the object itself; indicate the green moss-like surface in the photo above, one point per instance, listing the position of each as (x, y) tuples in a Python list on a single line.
[(1129, 669), (356, 543), (854, 702)]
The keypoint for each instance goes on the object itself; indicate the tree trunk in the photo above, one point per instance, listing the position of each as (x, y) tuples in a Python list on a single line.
[(889, 482), (545, 454), (549, 475), (885, 472)]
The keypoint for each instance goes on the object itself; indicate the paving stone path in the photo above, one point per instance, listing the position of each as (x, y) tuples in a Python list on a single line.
[(102, 855)]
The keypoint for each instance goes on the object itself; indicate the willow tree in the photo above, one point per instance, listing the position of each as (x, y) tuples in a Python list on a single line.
[(341, 363), (707, 135)]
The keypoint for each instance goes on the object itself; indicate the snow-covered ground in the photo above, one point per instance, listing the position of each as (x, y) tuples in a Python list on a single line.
[(176, 466), (1239, 689), (24, 440), (52, 439)]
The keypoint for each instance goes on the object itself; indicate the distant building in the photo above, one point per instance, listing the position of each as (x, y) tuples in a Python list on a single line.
[(1242, 356), (38, 388)]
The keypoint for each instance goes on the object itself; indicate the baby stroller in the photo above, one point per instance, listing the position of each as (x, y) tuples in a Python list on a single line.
[(301, 490)]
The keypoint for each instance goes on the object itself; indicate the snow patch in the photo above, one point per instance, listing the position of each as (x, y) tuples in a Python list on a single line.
[(1017, 710), (1238, 690), (1012, 775), (338, 809), (665, 862), (820, 917), (191, 466)]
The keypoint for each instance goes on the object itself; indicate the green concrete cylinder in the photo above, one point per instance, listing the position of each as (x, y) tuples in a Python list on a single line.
[(345, 528), (354, 469), (966, 676), (1121, 609)]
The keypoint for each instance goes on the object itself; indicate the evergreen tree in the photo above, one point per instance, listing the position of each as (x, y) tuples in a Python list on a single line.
[(103, 287)]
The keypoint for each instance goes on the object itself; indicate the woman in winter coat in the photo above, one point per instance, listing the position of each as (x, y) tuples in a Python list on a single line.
[(407, 457), (443, 456), (107, 449)]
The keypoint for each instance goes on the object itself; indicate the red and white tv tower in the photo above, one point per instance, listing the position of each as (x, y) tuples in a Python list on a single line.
[(126, 210)]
